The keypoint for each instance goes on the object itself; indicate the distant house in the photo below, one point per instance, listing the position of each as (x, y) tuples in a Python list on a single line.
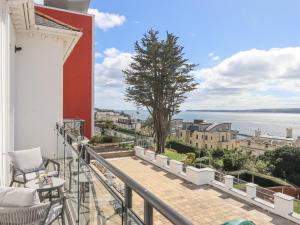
[(206, 135), (259, 143)]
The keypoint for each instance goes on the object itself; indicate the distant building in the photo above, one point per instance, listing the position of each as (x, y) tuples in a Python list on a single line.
[(109, 115), (259, 144), (175, 124), (125, 123), (206, 135), (117, 118)]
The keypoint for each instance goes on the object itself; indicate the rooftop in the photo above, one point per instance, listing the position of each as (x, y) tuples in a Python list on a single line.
[(47, 21), (201, 204)]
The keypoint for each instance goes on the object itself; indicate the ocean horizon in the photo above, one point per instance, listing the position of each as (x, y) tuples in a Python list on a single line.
[(244, 122)]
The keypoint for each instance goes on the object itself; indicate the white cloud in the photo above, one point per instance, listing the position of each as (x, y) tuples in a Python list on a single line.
[(105, 20), (250, 79), (109, 79), (98, 55), (40, 2), (247, 79), (215, 58)]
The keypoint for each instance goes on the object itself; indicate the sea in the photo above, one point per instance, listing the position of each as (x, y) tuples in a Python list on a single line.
[(244, 122)]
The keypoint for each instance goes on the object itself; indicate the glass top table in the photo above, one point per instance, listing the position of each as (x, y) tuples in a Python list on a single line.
[(56, 184)]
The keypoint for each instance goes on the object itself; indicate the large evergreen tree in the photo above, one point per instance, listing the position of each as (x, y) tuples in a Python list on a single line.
[(158, 79)]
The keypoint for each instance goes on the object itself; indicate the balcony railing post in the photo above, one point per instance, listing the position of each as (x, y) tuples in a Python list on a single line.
[(148, 213), (128, 203), (87, 156)]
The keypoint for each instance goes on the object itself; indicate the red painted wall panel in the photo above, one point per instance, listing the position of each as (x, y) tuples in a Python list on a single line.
[(78, 80)]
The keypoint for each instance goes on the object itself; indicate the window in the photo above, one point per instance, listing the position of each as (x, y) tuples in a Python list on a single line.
[(197, 136), (210, 137), (191, 134), (205, 146), (223, 139), (197, 144), (267, 145), (190, 142), (202, 136), (205, 137), (180, 134), (227, 147), (249, 143), (211, 147)]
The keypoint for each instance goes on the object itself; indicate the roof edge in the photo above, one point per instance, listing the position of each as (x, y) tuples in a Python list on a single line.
[(57, 21), (63, 10)]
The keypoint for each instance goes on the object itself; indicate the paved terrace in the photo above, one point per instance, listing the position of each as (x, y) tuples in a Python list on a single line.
[(203, 205)]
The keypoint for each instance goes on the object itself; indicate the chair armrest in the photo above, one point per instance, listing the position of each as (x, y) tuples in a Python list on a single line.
[(17, 171), (47, 161)]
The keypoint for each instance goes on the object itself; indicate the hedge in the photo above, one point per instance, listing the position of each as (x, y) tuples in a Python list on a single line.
[(180, 147), (260, 179)]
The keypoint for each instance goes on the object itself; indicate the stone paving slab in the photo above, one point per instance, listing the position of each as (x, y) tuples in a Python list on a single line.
[(203, 205)]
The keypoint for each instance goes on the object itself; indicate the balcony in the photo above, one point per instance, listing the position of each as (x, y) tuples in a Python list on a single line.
[(150, 189), (99, 192)]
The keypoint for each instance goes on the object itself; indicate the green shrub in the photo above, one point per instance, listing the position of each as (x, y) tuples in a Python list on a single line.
[(234, 160), (284, 162), (217, 153), (108, 139), (127, 131), (98, 139), (218, 164), (180, 147), (127, 146), (95, 139), (260, 179), (190, 158)]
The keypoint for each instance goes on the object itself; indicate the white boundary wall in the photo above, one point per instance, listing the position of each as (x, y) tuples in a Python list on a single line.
[(283, 204)]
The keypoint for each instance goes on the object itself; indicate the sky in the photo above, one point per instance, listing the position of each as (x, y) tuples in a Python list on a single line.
[(248, 52)]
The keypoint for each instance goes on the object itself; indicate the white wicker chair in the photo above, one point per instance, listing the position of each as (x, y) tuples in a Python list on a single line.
[(27, 164), (21, 206), (33, 215)]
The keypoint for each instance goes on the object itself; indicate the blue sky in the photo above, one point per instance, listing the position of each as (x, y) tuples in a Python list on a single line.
[(247, 51)]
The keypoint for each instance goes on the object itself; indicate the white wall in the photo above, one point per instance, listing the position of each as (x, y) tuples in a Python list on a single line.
[(7, 65), (38, 92)]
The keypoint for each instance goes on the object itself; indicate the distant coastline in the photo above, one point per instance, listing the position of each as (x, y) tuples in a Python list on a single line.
[(279, 110)]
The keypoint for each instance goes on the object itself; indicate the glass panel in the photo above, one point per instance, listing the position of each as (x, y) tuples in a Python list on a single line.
[(239, 184), (297, 206), (138, 205), (70, 176), (99, 204), (219, 177), (159, 219), (132, 219), (265, 194)]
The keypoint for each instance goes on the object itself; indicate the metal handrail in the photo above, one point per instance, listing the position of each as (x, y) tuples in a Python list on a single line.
[(149, 198), (158, 204)]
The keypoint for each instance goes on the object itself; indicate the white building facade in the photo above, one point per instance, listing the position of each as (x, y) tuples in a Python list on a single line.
[(32, 53)]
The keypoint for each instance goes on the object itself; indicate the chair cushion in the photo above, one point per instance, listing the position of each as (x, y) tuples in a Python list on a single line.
[(34, 175), (27, 160), (18, 197), (54, 212)]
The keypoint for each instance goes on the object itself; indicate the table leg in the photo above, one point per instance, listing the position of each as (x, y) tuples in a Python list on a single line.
[(62, 194), (40, 196)]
